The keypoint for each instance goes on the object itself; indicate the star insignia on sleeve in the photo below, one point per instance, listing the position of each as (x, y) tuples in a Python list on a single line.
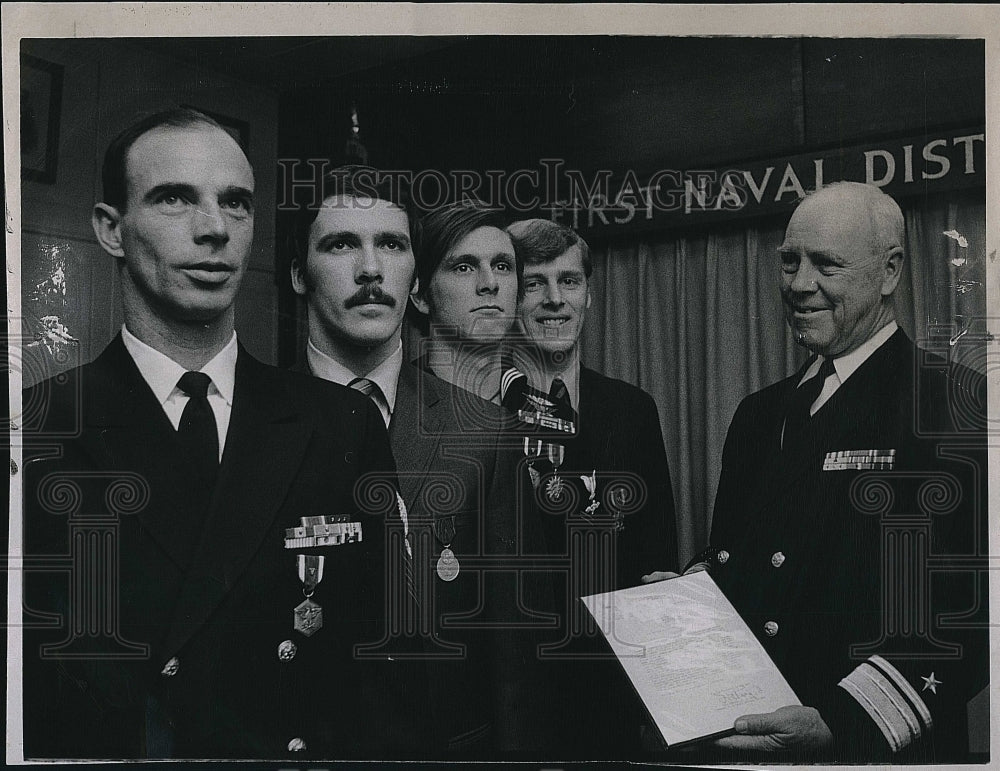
[(931, 683)]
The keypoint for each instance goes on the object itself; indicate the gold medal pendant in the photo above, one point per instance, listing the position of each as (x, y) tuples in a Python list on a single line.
[(308, 617), (447, 565)]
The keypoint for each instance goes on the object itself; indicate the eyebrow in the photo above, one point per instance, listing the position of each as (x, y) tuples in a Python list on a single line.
[(331, 238), (399, 235), (469, 257), (181, 188), (238, 190), (560, 274), (350, 235), (813, 254), (185, 189)]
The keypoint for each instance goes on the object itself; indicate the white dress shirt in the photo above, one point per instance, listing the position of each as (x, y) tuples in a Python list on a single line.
[(846, 365), (385, 375), (162, 373)]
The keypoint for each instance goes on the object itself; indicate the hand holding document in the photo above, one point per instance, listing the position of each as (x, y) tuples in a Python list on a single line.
[(690, 657)]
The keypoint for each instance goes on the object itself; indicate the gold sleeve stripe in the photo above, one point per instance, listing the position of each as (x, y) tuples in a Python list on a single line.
[(878, 693), (878, 680), (905, 688), (890, 733)]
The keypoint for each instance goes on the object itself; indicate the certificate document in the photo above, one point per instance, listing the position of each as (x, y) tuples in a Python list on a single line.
[(693, 661)]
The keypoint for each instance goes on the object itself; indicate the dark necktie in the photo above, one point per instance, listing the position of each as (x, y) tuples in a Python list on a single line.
[(559, 396), (198, 434), (797, 416)]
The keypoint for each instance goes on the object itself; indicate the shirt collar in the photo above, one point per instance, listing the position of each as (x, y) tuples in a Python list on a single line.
[(846, 365), (385, 374), (162, 373)]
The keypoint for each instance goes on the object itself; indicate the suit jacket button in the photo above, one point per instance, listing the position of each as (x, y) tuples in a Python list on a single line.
[(171, 667), (349, 457), (771, 628), (722, 556), (296, 745), (777, 559), (287, 650)]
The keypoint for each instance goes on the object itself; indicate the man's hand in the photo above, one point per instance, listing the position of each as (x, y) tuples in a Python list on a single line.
[(663, 575), (789, 728)]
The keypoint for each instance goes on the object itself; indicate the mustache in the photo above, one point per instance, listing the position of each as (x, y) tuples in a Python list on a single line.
[(370, 293)]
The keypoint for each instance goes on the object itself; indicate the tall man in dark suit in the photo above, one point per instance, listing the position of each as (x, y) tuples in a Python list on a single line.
[(205, 555), (454, 692), (600, 470), (849, 527)]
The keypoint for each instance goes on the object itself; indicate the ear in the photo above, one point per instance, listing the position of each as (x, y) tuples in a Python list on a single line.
[(298, 274), (418, 299), (589, 298), (106, 221), (892, 269)]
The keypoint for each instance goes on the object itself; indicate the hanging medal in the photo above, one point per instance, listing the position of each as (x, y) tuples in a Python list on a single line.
[(555, 487), (533, 451), (308, 615), (447, 564)]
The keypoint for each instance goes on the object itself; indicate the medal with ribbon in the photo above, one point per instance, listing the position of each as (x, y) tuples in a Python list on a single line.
[(555, 487), (308, 614), (538, 450), (447, 564)]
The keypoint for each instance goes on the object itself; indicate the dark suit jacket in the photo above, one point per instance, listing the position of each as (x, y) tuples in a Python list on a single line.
[(868, 561), (138, 573), (620, 432), (458, 690), (618, 437)]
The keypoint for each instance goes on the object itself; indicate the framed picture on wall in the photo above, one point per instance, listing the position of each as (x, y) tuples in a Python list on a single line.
[(237, 129), (41, 99)]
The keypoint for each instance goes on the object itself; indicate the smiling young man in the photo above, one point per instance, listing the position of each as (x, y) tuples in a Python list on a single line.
[(825, 524), (579, 423), (183, 622), (616, 426)]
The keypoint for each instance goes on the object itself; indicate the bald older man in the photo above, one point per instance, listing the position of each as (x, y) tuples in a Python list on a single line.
[(849, 526)]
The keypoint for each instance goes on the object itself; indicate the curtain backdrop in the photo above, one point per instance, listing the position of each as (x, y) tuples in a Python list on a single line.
[(696, 320)]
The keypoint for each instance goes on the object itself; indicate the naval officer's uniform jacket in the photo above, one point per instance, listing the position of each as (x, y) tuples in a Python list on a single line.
[(858, 557), (160, 626)]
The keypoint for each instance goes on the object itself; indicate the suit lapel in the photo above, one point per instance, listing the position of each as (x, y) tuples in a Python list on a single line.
[(265, 445), (415, 430), (779, 469), (128, 429), (593, 439)]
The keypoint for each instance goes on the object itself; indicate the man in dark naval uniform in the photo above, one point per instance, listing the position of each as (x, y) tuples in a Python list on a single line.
[(849, 529), (204, 553)]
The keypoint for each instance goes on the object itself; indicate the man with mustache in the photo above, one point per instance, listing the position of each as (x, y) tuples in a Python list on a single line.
[(181, 614), (445, 684), (849, 529)]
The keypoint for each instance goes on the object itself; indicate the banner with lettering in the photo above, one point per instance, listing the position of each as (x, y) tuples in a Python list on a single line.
[(903, 167)]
